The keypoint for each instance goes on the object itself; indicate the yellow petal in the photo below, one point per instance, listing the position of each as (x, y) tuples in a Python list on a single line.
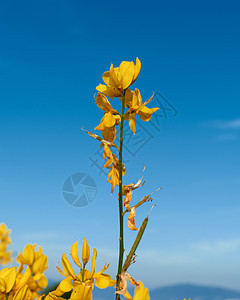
[(93, 262), (128, 97), (66, 285), (145, 113), (132, 122), (67, 268), (106, 77), (137, 69), (21, 293), (128, 198), (114, 81), (103, 269), (127, 296), (27, 257), (150, 99), (40, 264), (61, 272), (2, 286), (74, 254), (102, 281), (38, 253), (126, 70), (109, 133), (108, 91), (9, 276), (131, 220), (141, 293), (81, 291), (100, 126), (108, 120), (28, 254), (136, 100), (42, 281), (24, 279), (103, 103), (85, 252)]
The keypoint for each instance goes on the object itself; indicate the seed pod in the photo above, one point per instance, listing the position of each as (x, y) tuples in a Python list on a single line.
[(135, 245)]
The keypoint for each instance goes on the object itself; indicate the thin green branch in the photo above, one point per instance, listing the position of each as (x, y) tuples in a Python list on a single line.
[(120, 199)]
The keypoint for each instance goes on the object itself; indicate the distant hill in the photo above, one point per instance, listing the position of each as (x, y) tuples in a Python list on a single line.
[(176, 292), (194, 292), (179, 292)]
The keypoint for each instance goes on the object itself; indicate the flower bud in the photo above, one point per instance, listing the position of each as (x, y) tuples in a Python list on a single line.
[(85, 252)]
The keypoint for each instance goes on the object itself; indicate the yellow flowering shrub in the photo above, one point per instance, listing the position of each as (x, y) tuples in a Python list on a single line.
[(27, 281)]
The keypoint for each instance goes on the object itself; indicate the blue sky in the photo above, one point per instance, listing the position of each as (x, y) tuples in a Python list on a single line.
[(52, 56)]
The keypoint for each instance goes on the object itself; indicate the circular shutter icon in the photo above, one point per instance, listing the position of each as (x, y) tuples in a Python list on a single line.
[(79, 189)]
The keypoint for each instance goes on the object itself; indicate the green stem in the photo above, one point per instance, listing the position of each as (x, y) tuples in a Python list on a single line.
[(83, 273), (120, 199)]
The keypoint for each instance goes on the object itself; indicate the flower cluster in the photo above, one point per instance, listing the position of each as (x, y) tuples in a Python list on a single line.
[(36, 261), (117, 82), (5, 255), (17, 284), (13, 286), (83, 283)]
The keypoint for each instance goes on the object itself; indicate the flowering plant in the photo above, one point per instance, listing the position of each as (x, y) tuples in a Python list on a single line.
[(28, 281)]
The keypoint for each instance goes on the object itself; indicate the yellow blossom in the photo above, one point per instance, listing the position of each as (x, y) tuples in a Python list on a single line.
[(113, 175), (37, 264), (103, 103), (5, 255), (107, 126), (12, 285), (7, 280), (131, 219), (137, 107), (83, 283), (119, 79), (85, 252), (141, 293), (107, 154)]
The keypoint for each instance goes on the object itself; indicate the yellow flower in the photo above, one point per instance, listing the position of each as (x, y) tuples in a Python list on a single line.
[(131, 219), (85, 252), (136, 107), (107, 154), (141, 293), (103, 103), (113, 175), (119, 79), (27, 257), (5, 255), (12, 285), (21, 293), (107, 126), (35, 259), (83, 283), (37, 264), (4, 234), (7, 280)]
